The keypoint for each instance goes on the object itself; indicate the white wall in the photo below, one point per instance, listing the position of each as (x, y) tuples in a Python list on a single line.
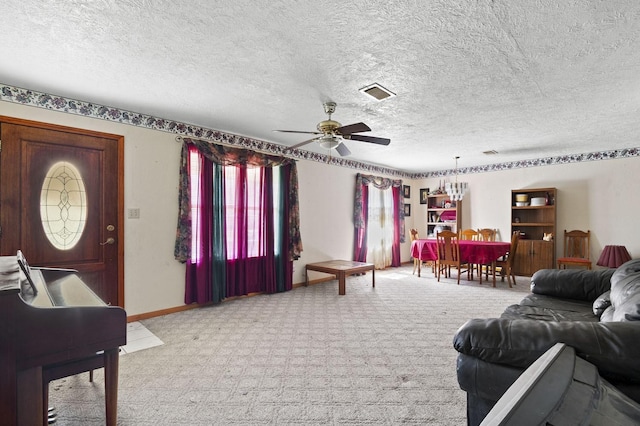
[(600, 196), (153, 279), (597, 195), (326, 214)]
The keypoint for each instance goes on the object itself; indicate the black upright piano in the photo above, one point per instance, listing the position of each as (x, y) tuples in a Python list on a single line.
[(52, 326)]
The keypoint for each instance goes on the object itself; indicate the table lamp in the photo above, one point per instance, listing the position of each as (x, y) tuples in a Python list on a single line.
[(613, 256)]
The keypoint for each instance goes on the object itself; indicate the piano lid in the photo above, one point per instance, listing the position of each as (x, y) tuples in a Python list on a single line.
[(66, 288)]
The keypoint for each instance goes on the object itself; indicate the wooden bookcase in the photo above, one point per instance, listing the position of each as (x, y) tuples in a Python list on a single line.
[(442, 212), (533, 222)]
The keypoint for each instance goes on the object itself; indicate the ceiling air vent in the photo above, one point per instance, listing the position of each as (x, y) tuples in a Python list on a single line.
[(377, 92)]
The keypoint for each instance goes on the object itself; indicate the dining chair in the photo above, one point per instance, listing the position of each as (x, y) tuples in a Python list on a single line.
[(505, 263), (485, 234), (448, 254), (576, 249), (470, 235)]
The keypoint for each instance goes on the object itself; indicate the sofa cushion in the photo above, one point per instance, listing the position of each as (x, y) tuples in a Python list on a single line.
[(547, 314), (607, 314), (548, 308), (557, 303), (625, 293), (578, 284), (601, 303)]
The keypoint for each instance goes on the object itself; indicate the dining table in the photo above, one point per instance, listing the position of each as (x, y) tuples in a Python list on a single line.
[(471, 251)]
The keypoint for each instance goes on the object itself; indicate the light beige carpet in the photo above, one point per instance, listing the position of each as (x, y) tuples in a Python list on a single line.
[(376, 356)]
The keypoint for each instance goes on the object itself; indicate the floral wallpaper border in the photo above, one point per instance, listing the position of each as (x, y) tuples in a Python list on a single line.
[(88, 109), (546, 161)]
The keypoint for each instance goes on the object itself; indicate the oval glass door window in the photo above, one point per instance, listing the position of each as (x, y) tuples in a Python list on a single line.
[(63, 205)]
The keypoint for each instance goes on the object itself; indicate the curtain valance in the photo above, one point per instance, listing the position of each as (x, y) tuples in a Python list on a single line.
[(230, 156), (378, 182)]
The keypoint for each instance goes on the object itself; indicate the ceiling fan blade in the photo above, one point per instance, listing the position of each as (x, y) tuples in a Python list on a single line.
[(370, 139), (301, 144), (353, 128), (343, 150), (298, 131)]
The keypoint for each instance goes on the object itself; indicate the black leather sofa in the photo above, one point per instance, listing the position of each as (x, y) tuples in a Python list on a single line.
[(596, 312)]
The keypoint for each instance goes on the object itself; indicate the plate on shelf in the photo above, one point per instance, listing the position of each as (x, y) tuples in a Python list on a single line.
[(521, 204)]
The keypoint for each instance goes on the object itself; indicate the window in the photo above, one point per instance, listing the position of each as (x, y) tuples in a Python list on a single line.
[(238, 221), (63, 205), (243, 201), (381, 227)]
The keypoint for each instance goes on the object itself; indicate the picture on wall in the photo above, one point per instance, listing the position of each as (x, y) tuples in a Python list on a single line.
[(407, 210), (406, 191), (424, 192)]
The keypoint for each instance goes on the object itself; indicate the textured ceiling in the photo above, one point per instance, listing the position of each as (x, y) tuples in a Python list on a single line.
[(527, 78)]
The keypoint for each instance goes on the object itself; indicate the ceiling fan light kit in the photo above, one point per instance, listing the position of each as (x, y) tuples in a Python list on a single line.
[(334, 133), (328, 141)]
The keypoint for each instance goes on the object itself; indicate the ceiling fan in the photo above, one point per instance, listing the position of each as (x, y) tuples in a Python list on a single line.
[(333, 133)]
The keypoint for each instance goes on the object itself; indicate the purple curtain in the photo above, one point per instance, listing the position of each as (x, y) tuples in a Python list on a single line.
[(249, 272), (201, 269), (205, 279)]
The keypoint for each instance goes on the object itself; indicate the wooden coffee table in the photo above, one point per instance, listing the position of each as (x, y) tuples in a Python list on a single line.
[(341, 269)]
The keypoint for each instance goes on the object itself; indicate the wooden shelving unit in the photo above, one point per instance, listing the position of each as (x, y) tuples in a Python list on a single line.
[(533, 222), (442, 212)]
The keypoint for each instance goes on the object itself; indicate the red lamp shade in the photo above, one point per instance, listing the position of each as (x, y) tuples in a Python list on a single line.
[(613, 256)]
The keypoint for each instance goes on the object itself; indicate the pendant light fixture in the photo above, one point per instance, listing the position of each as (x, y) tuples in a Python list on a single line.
[(457, 189)]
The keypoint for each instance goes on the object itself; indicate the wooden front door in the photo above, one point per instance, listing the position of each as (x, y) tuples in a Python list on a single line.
[(61, 201)]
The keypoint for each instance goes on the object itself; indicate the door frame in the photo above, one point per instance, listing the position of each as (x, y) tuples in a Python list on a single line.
[(119, 140)]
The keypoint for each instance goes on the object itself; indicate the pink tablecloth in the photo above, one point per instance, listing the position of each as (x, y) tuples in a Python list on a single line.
[(479, 252)]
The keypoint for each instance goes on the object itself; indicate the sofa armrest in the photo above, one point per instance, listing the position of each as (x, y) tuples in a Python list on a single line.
[(612, 347), (572, 283)]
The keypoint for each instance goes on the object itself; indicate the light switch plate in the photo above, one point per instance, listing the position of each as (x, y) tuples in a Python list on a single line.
[(133, 213)]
